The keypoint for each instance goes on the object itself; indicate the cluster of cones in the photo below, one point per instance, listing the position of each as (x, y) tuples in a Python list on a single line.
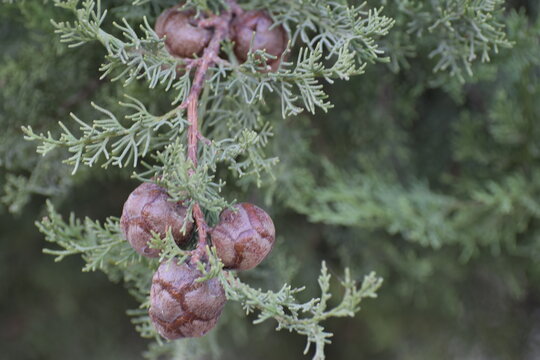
[(181, 306)]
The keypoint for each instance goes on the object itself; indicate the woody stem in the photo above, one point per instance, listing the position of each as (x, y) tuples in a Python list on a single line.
[(221, 25)]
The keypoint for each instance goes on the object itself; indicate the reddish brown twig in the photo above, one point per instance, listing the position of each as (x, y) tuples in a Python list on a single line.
[(221, 25)]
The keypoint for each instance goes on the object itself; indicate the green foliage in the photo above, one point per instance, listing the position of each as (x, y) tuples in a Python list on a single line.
[(493, 216), (103, 247), (283, 307), (454, 33), (110, 142), (424, 168), (237, 144)]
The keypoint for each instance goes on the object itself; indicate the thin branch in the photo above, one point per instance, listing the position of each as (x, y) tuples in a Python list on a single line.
[(221, 26)]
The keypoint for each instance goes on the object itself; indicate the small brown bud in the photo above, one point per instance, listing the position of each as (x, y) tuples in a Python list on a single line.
[(184, 38), (257, 26), (243, 238), (181, 307), (148, 209)]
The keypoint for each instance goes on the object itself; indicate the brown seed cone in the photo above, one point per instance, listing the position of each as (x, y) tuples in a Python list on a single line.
[(272, 40), (148, 209), (243, 238), (183, 37), (181, 307)]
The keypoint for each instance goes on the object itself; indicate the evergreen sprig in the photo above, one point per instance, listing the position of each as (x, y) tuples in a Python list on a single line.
[(174, 172), (336, 25), (302, 318), (108, 139), (502, 209), (465, 32), (103, 248), (101, 245)]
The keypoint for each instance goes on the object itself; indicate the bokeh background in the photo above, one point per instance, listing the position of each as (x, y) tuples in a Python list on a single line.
[(440, 179)]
